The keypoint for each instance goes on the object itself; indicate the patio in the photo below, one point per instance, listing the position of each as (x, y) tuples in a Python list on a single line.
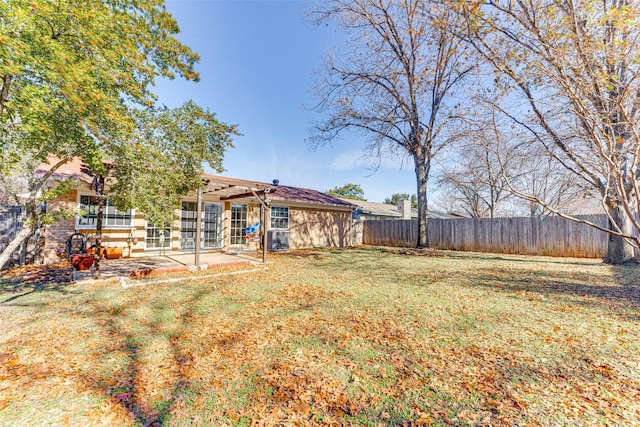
[(145, 266)]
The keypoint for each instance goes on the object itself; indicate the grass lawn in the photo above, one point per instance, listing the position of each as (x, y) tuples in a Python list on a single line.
[(363, 336)]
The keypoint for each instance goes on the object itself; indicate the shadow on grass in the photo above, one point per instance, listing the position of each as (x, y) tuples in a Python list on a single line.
[(518, 258), (113, 364), (594, 284), (118, 371), (124, 389), (19, 282), (585, 288)]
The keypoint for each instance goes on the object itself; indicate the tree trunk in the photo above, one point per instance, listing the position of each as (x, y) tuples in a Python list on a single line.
[(33, 211), (6, 254), (23, 251), (619, 251), (32, 219), (422, 176), (99, 184), (4, 91)]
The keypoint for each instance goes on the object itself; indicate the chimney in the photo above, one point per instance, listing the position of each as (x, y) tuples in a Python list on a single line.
[(404, 208)]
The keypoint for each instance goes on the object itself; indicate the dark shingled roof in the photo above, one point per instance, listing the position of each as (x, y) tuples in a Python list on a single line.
[(294, 194), (220, 184)]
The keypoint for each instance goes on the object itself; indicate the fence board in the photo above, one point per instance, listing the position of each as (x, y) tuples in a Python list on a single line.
[(553, 236)]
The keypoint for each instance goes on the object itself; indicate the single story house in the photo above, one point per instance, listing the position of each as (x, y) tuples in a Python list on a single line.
[(294, 218)]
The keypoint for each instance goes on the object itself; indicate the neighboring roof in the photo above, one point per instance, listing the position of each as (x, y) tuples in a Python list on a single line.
[(391, 211), (373, 208)]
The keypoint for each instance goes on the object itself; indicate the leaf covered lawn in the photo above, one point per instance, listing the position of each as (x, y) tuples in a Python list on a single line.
[(364, 336)]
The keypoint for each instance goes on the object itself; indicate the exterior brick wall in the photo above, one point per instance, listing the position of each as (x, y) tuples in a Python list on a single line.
[(317, 228), (56, 235)]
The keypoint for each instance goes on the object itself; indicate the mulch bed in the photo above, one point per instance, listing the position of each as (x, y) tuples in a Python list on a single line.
[(38, 275)]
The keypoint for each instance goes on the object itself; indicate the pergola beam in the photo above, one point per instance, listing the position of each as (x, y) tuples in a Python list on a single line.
[(249, 193)]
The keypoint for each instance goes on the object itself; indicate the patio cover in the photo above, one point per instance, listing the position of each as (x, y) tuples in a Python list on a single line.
[(230, 189)]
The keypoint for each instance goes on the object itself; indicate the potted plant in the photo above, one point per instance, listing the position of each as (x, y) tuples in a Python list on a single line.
[(92, 250), (113, 253)]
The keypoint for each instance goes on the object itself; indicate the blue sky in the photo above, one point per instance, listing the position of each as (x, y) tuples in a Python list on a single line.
[(256, 69)]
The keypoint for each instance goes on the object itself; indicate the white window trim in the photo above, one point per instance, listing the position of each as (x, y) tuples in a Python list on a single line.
[(222, 225), (154, 248), (246, 242), (104, 226), (271, 217), (221, 231)]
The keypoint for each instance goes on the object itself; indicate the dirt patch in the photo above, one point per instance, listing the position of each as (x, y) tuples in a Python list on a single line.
[(428, 252), (302, 253)]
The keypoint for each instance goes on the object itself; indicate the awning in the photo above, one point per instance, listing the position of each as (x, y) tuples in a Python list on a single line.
[(230, 189)]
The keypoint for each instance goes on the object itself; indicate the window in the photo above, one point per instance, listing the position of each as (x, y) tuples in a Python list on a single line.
[(212, 225), (238, 224), (111, 216), (158, 237), (279, 218), (188, 225)]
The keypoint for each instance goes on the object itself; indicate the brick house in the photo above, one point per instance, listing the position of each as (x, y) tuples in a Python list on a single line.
[(292, 217)]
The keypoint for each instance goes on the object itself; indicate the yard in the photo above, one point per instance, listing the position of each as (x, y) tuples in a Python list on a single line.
[(364, 336)]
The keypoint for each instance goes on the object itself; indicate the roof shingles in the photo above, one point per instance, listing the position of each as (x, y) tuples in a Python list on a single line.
[(304, 195)]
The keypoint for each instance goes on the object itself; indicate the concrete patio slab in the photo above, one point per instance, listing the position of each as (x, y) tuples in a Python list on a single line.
[(145, 266)]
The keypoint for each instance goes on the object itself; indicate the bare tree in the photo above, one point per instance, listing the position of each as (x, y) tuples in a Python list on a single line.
[(395, 82), (472, 178), (493, 157), (570, 71), (544, 178)]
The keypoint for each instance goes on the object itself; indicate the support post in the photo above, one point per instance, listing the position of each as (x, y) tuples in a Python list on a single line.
[(264, 233), (263, 207), (198, 227)]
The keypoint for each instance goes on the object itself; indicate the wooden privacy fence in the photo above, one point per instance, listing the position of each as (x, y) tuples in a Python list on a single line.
[(11, 218), (553, 236)]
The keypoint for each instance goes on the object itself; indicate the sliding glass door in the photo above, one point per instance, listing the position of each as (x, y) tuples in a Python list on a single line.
[(212, 222), (238, 224)]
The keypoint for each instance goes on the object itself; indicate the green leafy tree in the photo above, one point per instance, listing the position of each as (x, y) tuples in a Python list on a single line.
[(348, 191), (172, 144), (396, 197), (75, 81)]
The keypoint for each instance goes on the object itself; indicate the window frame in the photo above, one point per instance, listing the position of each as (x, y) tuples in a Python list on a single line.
[(219, 225), (148, 226), (279, 218), (238, 232), (207, 218), (106, 216)]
